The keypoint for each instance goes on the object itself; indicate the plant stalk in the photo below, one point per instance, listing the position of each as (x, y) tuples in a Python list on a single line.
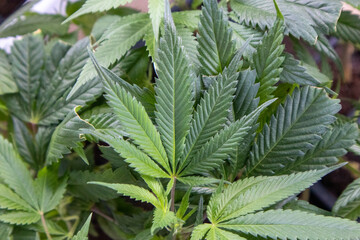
[(172, 204), (43, 221)]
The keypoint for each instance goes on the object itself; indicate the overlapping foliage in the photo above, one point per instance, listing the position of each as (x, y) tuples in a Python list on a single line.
[(213, 138)]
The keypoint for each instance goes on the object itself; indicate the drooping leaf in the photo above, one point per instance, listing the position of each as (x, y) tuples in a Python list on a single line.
[(92, 6), (296, 127), (135, 192), (48, 23), (216, 47)]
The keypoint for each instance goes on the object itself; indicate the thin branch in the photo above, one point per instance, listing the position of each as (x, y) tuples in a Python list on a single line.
[(172, 206), (43, 221)]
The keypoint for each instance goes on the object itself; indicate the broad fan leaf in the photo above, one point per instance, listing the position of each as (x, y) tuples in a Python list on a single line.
[(293, 225), (7, 83), (325, 152), (211, 113), (216, 47), (348, 27), (348, 204), (92, 6), (295, 128), (173, 94), (267, 60), (135, 192), (254, 194), (128, 30), (319, 15)]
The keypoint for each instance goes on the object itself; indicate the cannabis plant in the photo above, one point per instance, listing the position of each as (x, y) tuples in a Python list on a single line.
[(210, 135), (195, 137)]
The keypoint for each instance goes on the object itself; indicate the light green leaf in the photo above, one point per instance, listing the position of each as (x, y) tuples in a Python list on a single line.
[(293, 225), (156, 12), (200, 231), (49, 189), (92, 6), (12, 201), (162, 218), (254, 194), (128, 30), (216, 47), (15, 174), (7, 83), (190, 19), (296, 127), (135, 192), (132, 155), (83, 233), (19, 218)]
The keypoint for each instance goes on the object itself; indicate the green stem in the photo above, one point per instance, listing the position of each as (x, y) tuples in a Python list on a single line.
[(172, 204), (43, 221)]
